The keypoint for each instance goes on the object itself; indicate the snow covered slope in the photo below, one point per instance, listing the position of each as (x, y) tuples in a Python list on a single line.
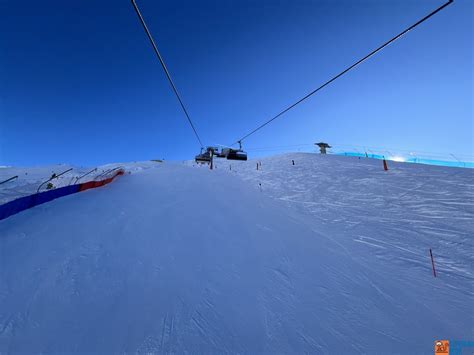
[(411, 206), (329, 256)]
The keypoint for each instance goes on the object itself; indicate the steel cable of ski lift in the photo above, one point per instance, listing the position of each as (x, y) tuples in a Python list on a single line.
[(393, 39), (160, 58)]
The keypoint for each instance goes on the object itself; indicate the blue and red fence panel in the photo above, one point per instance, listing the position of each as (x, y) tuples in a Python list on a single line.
[(23, 203)]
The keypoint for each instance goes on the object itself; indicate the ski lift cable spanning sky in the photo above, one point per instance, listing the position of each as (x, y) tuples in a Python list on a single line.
[(160, 58), (345, 71)]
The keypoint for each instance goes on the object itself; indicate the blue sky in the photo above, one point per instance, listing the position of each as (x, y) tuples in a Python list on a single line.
[(79, 82)]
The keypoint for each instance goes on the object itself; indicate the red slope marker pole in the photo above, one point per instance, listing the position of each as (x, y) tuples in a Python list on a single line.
[(385, 167), (432, 263)]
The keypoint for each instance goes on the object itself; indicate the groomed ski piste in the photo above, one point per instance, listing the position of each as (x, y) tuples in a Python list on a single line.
[(329, 255)]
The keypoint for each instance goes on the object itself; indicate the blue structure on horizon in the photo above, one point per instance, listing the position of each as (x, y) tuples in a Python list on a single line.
[(451, 163)]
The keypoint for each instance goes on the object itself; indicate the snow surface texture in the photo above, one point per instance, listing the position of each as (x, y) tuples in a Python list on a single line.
[(330, 255)]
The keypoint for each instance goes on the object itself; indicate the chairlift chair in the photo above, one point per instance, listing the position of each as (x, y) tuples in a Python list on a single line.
[(228, 153), (222, 153), (203, 158), (236, 154)]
